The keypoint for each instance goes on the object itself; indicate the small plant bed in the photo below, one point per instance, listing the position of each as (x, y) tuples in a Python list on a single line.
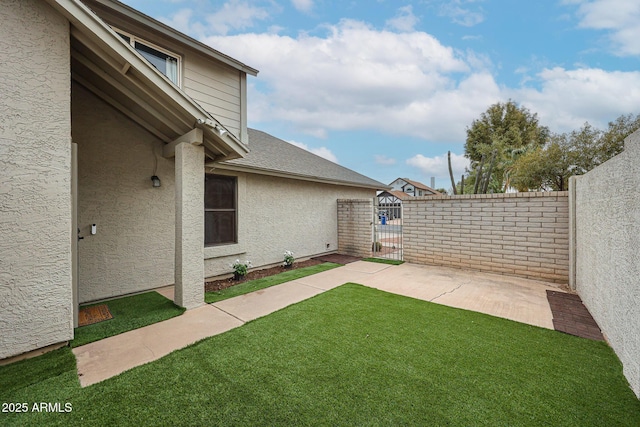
[(219, 290), (384, 261), (129, 313)]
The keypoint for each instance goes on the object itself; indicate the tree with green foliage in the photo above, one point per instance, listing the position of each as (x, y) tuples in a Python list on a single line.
[(493, 141), (544, 168), (573, 153)]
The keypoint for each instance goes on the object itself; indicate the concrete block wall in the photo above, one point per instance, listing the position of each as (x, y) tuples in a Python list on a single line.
[(355, 218), (607, 252), (520, 234)]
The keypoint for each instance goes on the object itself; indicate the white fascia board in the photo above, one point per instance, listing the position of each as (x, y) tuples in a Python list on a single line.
[(279, 174), (172, 33)]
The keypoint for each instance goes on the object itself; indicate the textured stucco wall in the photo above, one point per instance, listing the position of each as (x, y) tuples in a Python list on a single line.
[(189, 290), (35, 176), (607, 241), (520, 234), (133, 249), (278, 214)]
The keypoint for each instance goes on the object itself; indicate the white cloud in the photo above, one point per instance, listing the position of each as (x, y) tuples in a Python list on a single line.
[(438, 166), (384, 160), (568, 98), (404, 21), (303, 5), (620, 17), (357, 77), (323, 152), (460, 12), (182, 21), (232, 15)]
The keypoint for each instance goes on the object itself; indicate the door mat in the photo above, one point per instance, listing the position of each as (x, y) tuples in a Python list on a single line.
[(95, 314), (338, 258), (572, 317)]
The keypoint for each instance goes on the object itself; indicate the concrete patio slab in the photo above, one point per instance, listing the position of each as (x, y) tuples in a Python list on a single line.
[(507, 297), (414, 281), (522, 300), (260, 303), (167, 291), (366, 267), (333, 278), (106, 358)]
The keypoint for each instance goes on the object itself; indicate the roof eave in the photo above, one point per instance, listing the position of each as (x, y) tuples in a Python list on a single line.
[(281, 174), (125, 58), (158, 26)]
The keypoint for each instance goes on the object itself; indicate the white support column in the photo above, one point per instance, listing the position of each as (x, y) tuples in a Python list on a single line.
[(189, 269)]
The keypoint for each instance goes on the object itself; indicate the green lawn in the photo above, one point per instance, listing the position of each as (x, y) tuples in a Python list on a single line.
[(129, 313), (265, 282), (349, 356)]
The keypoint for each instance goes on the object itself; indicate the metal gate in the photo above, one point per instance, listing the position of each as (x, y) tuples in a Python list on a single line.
[(387, 230)]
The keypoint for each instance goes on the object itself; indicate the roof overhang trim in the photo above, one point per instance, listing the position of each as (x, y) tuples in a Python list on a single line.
[(269, 172), (134, 74), (162, 28)]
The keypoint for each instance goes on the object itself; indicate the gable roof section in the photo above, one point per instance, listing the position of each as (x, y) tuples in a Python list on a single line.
[(420, 185), (110, 68), (273, 156), (140, 18), (417, 184)]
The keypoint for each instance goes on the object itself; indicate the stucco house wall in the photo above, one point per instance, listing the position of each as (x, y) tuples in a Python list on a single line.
[(35, 178), (607, 245), (277, 214), (133, 249)]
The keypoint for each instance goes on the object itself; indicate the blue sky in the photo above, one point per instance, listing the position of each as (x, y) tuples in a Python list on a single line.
[(388, 87)]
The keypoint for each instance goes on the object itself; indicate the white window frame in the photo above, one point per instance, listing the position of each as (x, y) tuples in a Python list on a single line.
[(135, 39)]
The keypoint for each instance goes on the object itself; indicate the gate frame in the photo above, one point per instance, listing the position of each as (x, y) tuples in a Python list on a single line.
[(392, 231)]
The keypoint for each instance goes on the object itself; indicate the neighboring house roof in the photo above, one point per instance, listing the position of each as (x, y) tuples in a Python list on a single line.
[(396, 193), (110, 68), (141, 18), (419, 186), (272, 156)]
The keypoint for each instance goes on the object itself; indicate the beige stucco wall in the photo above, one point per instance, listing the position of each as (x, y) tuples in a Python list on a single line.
[(133, 249), (35, 177), (607, 245), (279, 214), (189, 290)]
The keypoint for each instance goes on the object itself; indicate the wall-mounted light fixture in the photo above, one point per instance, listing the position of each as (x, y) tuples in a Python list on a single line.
[(221, 131), (156, 181)]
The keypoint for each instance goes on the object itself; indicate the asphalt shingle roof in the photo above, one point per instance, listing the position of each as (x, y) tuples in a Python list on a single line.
[(271, 154), (421, 186), (397, 194)]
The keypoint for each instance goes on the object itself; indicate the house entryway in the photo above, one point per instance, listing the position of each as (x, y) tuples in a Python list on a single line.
[(387, 231)]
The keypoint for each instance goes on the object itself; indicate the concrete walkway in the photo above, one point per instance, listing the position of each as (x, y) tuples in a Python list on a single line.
[(513, 298)]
